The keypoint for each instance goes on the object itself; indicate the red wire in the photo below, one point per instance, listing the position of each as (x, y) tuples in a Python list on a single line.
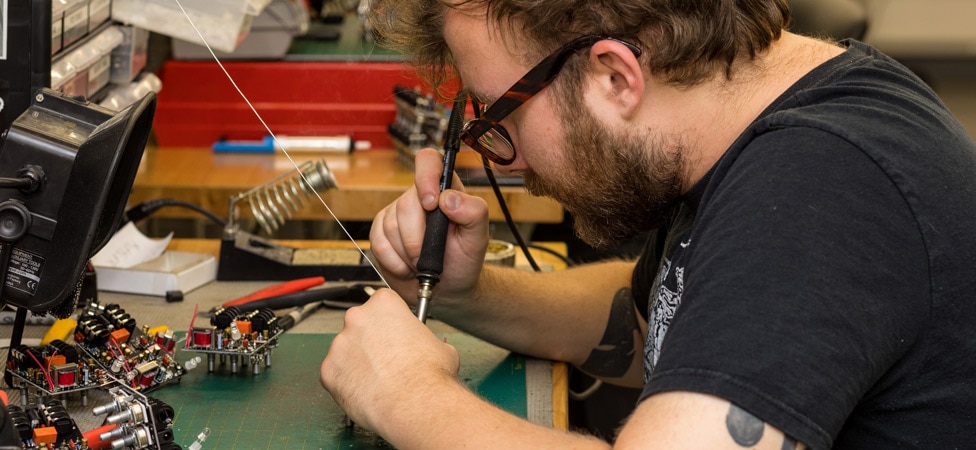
[(94, 442), (41, 367), (189, 333), (49, 361)]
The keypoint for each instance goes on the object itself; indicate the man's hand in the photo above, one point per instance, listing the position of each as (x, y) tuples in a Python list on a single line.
[(391, 375), (397, 234), (384, 358)]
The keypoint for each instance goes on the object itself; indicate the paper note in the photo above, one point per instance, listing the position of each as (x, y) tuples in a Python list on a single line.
[(129, 247)]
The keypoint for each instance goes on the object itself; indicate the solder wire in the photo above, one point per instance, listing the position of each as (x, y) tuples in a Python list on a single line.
[(275, 139)]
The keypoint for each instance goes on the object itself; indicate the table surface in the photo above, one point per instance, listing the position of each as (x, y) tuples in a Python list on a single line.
[(311, 337), (367, 180)]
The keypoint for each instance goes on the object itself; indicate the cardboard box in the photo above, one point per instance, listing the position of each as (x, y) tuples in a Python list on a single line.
[(171, 271)]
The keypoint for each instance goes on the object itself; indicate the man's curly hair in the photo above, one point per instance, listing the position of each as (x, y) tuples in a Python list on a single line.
[(684, 41)]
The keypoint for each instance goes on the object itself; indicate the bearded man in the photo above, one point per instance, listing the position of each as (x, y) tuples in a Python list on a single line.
[(810, 280)]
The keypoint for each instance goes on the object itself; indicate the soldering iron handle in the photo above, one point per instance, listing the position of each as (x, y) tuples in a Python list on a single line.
[(431, 261)]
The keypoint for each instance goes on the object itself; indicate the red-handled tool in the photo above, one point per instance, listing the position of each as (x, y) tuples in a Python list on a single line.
[(287, 287)]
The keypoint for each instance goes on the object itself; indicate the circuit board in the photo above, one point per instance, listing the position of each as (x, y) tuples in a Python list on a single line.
[(109, 354), (245, 339), (109, 337), (55, 369), (286, 407)]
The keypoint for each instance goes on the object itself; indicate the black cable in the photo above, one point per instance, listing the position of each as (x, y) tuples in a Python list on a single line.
[(563, 258), (579, 396), (508, 215), (16, 183), (501, 200), (20, 317), (147, 208)]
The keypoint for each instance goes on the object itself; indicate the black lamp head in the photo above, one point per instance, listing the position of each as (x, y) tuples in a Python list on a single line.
[(80, 160)]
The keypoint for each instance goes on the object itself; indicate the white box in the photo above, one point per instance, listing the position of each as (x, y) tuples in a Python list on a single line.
[(171, 271), (223, 23)]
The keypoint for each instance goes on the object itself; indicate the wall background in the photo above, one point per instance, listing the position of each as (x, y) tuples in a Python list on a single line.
[(936, 39)]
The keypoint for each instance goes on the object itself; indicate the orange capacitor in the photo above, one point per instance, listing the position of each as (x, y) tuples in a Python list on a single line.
[(120, 336), (46, 435), (244, 326), (55, 360)]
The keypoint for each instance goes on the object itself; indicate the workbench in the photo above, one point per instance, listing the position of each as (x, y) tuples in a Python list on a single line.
[(367, 181), (284, 405)]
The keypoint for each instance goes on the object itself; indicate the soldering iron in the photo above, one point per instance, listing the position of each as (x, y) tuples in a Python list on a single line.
[(431, 261)]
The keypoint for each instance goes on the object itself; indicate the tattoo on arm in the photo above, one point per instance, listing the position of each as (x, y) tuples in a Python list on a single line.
[(615, 354), (745, 429)]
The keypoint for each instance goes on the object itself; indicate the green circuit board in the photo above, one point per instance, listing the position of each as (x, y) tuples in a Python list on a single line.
[(284, 406)]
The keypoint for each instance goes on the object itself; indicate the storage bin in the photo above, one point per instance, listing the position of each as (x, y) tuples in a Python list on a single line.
[(66, 67), (129, 58), (223, 23), (99, 11), (75, 22), (270, 36), (57, 24)]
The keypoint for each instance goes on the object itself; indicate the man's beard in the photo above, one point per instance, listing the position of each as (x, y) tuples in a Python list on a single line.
[(616, 186)]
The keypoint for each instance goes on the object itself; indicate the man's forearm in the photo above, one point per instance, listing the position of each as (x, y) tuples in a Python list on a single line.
[(560, 315), (449, 416)]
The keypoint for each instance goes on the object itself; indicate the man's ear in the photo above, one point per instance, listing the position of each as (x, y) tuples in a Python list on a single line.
[(619, 75)]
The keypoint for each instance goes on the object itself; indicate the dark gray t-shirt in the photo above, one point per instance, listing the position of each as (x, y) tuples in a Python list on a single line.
[(823, 274)]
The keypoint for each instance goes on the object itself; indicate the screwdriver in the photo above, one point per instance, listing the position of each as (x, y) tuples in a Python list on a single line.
[(431, 261)]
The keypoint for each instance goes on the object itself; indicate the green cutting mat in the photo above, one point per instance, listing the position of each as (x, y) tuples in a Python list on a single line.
[(285, 406)]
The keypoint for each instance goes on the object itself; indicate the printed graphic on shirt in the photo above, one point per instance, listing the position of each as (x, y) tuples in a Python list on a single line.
[(664, 301)]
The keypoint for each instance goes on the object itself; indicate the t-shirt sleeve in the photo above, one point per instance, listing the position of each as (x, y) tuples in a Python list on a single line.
[(805, 282)]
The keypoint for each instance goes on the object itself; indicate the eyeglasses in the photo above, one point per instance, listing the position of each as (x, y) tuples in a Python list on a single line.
[(486, 136)]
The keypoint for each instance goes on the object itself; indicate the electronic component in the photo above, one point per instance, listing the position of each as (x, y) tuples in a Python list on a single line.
[(110, 337), (198, 443), (110, 350), (420, 122), (56, 369), (47, 425), (244, 337), (140, 422)]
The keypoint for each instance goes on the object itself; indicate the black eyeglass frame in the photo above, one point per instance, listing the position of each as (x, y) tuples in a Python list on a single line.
[(534, 81)]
